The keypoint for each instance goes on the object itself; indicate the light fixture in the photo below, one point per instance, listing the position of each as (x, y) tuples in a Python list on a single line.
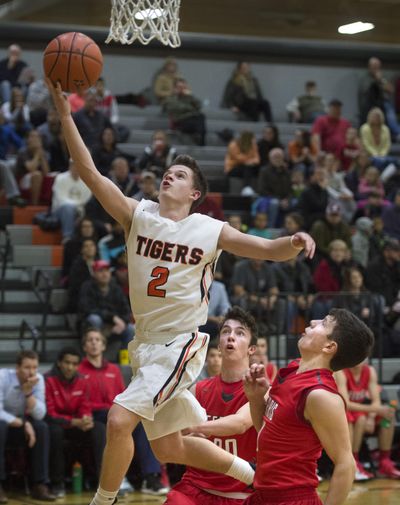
[(357, 27), (149, 14)]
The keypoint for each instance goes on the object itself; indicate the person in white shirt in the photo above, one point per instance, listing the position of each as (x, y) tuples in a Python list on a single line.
[(70, 195)]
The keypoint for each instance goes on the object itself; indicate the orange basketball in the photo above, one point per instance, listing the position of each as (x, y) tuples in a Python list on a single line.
[(74, 60)]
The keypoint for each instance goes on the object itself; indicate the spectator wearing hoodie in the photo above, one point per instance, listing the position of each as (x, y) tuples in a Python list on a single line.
[(360, 241), (69, 415)]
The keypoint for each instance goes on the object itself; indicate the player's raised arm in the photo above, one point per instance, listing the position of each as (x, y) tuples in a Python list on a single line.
[(234, 424), (111, 198), (279, 249)]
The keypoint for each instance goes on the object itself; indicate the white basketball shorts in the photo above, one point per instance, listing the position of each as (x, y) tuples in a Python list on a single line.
[(162, 373)]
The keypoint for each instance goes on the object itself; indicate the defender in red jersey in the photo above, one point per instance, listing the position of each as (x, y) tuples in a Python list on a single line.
[(229, 422), (303, 413), (359, 387)]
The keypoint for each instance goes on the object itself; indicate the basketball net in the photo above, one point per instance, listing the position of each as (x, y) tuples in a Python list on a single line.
[(145, 20)]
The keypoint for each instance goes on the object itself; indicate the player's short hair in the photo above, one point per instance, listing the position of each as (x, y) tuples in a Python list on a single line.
[(26, 354), (68, 350), (246, 319), (91, 329), (353, 337), (199, 180)]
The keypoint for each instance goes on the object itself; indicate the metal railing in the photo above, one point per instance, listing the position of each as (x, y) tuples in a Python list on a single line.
[(34, 335), (42, 287), (5, 248)]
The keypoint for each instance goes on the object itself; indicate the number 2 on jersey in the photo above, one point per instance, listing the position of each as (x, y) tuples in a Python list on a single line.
[(160, 275)]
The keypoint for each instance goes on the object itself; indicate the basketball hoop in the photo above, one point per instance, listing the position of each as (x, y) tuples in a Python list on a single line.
[(145, 20)]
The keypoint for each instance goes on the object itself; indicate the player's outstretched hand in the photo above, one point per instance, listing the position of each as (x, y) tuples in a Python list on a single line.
[(255, 382), (59, 98), (302, 240)]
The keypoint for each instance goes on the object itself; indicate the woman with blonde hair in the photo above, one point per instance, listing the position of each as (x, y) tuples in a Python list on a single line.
[(375, 135), (242, 158)]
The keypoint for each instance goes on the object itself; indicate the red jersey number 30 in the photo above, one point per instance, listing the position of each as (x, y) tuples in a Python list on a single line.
[(160, 275)]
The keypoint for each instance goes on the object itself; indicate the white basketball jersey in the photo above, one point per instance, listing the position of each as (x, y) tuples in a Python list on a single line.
[(171, 266)]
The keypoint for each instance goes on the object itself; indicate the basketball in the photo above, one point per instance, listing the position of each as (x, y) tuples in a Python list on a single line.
[(74, 60)]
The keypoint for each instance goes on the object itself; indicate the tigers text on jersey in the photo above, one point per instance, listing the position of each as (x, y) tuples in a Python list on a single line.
[(222, 399), (171, 267), (288, 447)]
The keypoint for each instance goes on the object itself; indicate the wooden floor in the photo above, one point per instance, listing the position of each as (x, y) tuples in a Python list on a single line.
[(375, 492)]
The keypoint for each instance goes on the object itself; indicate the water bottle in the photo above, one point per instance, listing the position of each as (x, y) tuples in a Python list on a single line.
[(77, 477), (386, 423)]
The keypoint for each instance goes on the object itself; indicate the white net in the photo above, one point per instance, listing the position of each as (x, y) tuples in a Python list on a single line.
[(145, 20)]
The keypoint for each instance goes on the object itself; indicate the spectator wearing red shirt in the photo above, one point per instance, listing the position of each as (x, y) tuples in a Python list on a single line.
[(105, 382), (69, 415), (329, 131)]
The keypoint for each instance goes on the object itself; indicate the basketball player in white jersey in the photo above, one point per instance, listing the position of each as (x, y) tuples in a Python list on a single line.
[(171, 258)]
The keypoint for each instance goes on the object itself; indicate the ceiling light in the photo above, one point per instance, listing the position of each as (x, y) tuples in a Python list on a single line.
[(149, 14), (357, 27)]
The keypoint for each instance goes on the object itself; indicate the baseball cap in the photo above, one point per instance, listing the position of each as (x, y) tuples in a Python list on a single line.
[(146, 174), (100, 265), (336, 101), (333, 208)]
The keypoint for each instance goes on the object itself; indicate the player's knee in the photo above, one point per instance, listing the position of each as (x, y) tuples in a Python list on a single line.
[(119, 425), (165, 452)]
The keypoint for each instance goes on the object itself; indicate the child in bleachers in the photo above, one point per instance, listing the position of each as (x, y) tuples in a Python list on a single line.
[(260, 226)]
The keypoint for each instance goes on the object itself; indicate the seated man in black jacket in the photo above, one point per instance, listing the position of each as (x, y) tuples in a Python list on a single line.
[(103, 305)]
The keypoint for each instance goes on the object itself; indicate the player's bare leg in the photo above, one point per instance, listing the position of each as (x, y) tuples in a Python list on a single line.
[(118, 453), (201, 453)]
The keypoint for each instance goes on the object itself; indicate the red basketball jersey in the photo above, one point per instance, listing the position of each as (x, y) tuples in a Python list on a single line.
[(288, 448), (358, 389), (222, 399)]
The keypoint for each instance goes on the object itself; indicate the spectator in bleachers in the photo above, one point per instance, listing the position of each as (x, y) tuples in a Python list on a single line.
[(159, 155), (70, 417), (54, 142), (338, 192), (360, 241), (81, 271), (370, 183), (292, 223), (391, 217), (184, 111), (16, 112), (10, 71), (38, 100), (22, 410), (274, 186), (227, 260), (105, 382), (107, 104), (356, 298), (76, 100), (297, 187), (164, 81), (84, 229), (314, 199), (212, 365), (103, 305), (106, 150), (375, 138), (269, 140), (242, 160), (122, 178), (112, 244), (32, 166), (261, 357), (219, 305), (329, 228), (376, 91), (360, 165), (302, 151), (90, 121), (350, 150), (328, 277), (329, 130), (306, 108), (211, 207), (377, 239), (260, 226), (148, 188), (366, 415), (371, 207), (70, 194), (51, 128), (243, 94)]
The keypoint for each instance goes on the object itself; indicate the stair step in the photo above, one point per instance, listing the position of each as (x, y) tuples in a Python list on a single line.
[(55, 333), (14, 320)]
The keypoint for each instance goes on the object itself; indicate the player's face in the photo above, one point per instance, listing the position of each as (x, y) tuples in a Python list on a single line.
[(177, 185), (234, 340), (94, 345), (315, 336)]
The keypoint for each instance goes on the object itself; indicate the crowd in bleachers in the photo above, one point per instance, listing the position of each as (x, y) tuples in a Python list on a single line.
[(339, 181)]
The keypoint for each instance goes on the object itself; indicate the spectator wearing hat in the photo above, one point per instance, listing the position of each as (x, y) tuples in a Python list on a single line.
[(329, 228), (391, 217), (148, 187), (103, 305), (329, 130), (360, 241)]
